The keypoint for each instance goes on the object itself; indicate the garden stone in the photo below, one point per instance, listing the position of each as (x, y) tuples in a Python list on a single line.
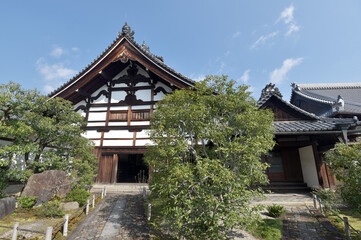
[(7, 206), (69, 205), (44, 185)]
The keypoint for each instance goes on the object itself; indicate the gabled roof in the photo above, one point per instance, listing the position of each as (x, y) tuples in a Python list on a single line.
[(124, 47), (270, 91), (336, 98)]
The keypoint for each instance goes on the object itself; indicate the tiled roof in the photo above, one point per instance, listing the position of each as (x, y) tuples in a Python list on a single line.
[(329, 93), (304, 126), (315, 126), (128, 35)]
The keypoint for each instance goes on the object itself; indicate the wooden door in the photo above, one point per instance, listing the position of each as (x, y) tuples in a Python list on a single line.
[(108, 166), (292, 164), (275, 172)]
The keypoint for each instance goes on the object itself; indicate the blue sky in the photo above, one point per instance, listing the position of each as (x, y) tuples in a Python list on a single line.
[(45, 43)]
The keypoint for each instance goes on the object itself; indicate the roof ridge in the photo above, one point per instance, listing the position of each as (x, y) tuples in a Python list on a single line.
[(311, 97), (314, 86)]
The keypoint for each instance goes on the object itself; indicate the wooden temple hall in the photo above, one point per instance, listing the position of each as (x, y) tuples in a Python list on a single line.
[(116, 94)]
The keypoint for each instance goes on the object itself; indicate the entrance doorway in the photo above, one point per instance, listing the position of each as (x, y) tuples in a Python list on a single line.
[(131, 169)]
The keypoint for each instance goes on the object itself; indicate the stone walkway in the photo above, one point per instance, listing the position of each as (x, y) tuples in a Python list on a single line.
[(119, 216)]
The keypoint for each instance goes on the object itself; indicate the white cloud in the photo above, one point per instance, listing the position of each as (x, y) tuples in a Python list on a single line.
[(57, 52), (53, 72), (287, 15), (48, 89), (245, 77), (288, 18), (197, 77), (236, 34), (292, 28), (75, 49), (278, 75), (221, 68), (262, 39)]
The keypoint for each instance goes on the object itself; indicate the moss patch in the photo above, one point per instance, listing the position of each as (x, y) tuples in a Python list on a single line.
[(268, 229), (354, 219)]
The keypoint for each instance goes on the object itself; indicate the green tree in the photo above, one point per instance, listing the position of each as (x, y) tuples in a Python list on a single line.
[(206, 157), (45, 134), (345, 161)]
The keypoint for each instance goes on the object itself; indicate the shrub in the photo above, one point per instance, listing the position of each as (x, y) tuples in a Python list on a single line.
[(78, 195), (50, 209), (27, 201), (275, 210), (330, 198)]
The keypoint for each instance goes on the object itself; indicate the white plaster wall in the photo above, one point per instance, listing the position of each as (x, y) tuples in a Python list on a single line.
[(142, 134), (117, 123), (121, 74), (98, 109), (104, 87), (308, 165), (140, 107), (96, 143), (118, 96), (79, 104), (115, 108), (159, 96), (119, 85), (118, 134), (144, 95), (4, 143), (160, 84), (142, 84), (92, 134), (97, 116), (117, 142), (96, 124), (101, 99), (141, 71), (137, 123), (143, 142)]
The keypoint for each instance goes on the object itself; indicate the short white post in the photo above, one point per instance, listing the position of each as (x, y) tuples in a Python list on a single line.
[(15, 231), (314, 201), (105, 191), (149, 211), (93, 201), (347, 228), (87, 207), (48, 233), (102, 193), (65, 228), (144, 193)]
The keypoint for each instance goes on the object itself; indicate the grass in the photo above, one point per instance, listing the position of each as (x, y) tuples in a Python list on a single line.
[(268, 229), (354, 219)]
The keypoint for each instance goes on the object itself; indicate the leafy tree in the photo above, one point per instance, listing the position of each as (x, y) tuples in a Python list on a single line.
[(206, 157), (45, 134), (345, 161)]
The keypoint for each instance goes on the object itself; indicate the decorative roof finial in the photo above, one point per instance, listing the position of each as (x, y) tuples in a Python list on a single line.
[(268, 91), (145, 47), (127, 31)]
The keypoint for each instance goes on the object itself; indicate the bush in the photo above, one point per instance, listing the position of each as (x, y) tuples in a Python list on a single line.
[(330, 198), (27, 201), (50, 209), (275, 210), (78, 195)]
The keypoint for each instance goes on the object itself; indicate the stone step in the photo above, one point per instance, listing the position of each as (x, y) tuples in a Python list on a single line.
[(120, 187)]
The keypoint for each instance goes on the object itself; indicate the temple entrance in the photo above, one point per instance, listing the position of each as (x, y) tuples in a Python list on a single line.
[(131, 169)]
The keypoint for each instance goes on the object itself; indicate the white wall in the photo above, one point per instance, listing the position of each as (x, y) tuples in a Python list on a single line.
[(308, 165)]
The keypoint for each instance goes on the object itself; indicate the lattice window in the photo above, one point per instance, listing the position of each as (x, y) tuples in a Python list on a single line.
[(119, 116), (141, 115)]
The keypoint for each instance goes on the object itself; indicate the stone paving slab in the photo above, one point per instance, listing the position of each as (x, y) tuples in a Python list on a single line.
[(119, 216)]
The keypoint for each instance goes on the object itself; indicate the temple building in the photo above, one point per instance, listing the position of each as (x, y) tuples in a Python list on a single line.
[(116, 94)]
